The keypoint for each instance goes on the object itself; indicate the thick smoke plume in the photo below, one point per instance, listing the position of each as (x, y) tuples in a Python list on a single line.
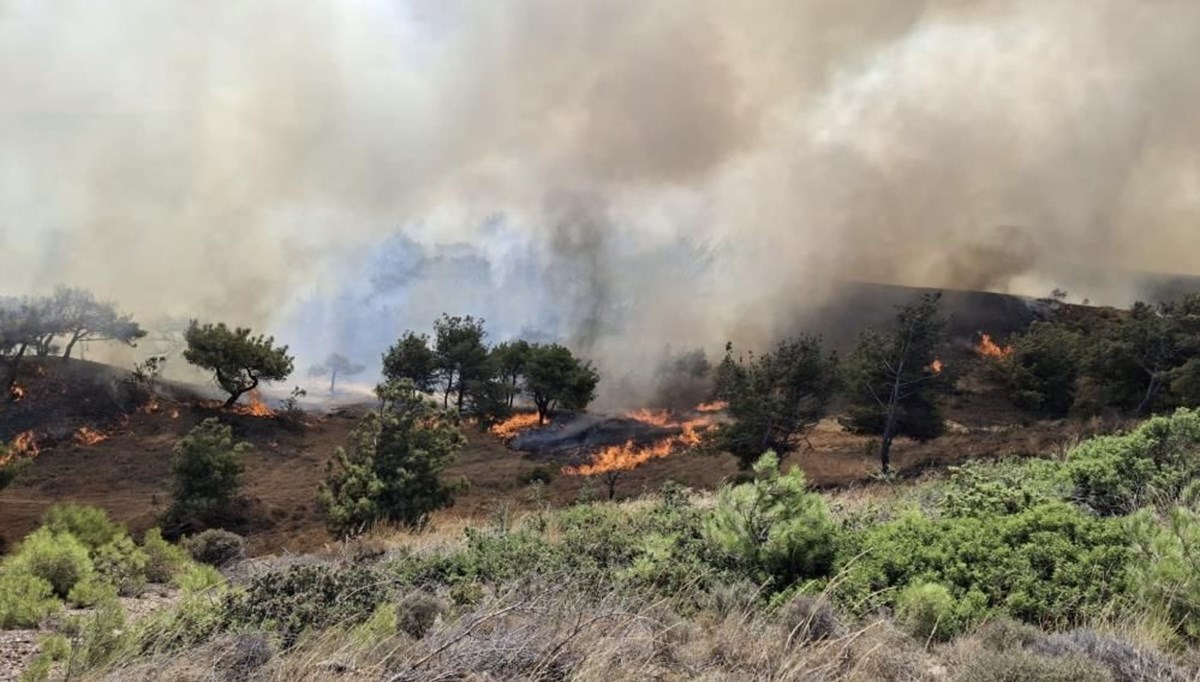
[(620, 174)]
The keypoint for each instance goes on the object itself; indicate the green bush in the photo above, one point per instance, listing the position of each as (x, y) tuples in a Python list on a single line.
[(206, 472), (123, 565), (216, 547), (392, 471), (1043, 369), (198, 579), (301, 598), (1166, 566), (89, 525), (1116, 475), (91, 591), (1051, 563), (978, 489), (927, 611), (25, 599), (773, 527), (58, 558), (163, 559)]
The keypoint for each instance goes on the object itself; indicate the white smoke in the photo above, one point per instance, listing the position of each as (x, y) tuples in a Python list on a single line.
[(620, 174)]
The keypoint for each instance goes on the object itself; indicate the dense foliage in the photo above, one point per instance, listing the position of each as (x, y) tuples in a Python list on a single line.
[(774, 399), (391, 473), (894, 378), (238, 360), (206, 473)]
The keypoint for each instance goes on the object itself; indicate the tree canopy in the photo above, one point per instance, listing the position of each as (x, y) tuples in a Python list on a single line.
[(238, 360), (460, 355), (411, 358), (773, 399), (556, 378), (894, 379)]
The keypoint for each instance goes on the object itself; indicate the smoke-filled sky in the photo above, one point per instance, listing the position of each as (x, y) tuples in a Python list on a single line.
[(621, 174)]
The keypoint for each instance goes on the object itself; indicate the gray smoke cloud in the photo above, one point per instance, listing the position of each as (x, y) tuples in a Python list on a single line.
[(619, 174)]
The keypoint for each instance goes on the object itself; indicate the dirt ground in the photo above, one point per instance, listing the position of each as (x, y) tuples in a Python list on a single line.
[(128, 472)]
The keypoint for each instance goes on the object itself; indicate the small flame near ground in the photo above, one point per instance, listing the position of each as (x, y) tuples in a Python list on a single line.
[(630, 456), (936, 366), (16, 393), (87, 436), (509, 428), (715, 406), (23, 446), (990, 349), (256, 407)]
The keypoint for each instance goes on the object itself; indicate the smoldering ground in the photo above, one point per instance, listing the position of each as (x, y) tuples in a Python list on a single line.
[(618, 174)]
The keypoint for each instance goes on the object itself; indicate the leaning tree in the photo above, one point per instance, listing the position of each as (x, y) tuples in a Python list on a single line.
[(238, 360)]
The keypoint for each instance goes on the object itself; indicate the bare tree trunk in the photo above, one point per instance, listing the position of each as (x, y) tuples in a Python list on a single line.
[(70, 346), (889, 425), (610, 479), (1151, 392)]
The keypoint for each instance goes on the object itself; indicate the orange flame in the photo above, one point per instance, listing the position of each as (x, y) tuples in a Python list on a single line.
[(24, 445), (509, 428), (629, 456), (17, 393), (86, 436), (715, 406), (936, 366), (989, 349), (174, 414), (256, 408)]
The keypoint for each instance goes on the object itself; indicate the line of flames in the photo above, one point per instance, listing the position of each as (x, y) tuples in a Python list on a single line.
[(990, 349), (509, 428), (630, 456)]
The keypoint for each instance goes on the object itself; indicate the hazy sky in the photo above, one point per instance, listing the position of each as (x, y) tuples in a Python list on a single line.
[(619, 173)]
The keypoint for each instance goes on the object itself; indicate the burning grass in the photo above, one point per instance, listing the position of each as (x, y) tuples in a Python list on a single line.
[(88, 436), (256, 407), (24, 446), (990, 349), (16, 393), (514, 425), (630, 455)]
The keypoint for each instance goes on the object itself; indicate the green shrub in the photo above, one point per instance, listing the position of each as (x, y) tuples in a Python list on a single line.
[(91, 591), (206, 472), (927, 611), (51, 650), (100, 636), (392, 471), (58, 558), (198, 578), (25, 599), (1116, 475), (774, 526), (979, 489), (163, 559), (1043, 370), (1165, 571), (216, 547), (197, 618), (123, 565), (307, 597), (1051, 563), (89, 525), (417, 612)]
